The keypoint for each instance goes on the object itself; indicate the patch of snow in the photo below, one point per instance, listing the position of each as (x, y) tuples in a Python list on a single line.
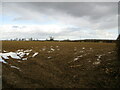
[(27, 54), (75, 66), (57, 46), (43, 49), (75, 59), (15, 67), (5, 56), (11, 54), (24, 58), (90, 48), (49, 57), (98, 59), (99, 56), (49, 51), (19, 61), (109, 52), (89, 60), (26, 51), (83, 48), (20, 50), (4, 51), (75, 53), (58, 49), (35, 54), (81, 51), (80, 56), (21, 54), (96, 63), (75, 49), (52, 49), (1, 60)]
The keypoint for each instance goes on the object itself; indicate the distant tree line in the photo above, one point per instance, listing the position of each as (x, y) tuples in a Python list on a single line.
[(23, 39), (51, 38)]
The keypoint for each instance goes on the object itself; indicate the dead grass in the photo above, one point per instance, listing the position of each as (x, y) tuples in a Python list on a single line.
[(61, 69)]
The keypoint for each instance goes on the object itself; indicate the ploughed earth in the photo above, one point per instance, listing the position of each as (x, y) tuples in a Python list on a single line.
[(30, 64)]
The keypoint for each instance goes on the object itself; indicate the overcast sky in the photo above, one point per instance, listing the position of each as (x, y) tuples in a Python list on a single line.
[(67, 20)]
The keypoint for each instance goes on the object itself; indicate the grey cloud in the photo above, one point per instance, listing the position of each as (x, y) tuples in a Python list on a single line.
[(79, 9), (20, 18), (96, 12), (93, 15)]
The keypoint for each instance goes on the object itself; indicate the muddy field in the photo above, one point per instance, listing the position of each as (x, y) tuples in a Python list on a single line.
[(34, 64)]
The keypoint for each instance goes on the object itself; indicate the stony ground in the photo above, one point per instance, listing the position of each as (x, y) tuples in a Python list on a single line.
[(33, 64)]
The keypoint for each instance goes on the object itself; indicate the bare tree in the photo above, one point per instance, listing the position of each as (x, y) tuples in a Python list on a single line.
[(51, 38)]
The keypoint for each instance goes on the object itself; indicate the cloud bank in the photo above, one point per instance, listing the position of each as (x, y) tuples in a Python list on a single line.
[(63, 20)]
